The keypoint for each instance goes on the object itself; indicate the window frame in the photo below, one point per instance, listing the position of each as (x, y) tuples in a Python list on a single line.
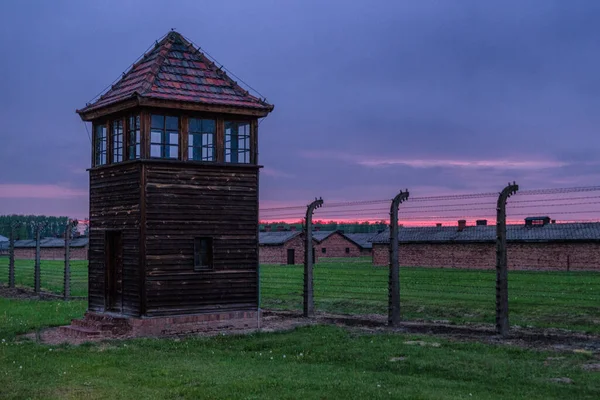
[(165, 143), (134, 129), (115, 154), (247, 150), (212, 146), (210, 249), (98, 151)]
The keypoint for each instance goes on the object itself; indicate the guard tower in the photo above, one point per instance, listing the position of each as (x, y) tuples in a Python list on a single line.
[(174, 190)]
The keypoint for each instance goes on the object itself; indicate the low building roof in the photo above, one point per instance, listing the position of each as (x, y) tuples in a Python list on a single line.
[(3, 239), (51, 243), (586, 232), (362, 240), (276, 238), (319, 236)]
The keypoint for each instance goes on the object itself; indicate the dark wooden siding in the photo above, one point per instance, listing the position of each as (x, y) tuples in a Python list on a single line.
[(184, 201), (115, 205)]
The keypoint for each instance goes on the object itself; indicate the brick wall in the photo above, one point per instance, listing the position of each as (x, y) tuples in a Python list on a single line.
[(550, 256), (278, 254), (51, 253), (336, 245)]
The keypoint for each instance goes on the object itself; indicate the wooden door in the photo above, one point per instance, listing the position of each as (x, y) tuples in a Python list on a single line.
[(291, 259), (114, 271)]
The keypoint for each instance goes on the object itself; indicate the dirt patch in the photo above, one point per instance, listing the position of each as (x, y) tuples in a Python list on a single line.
[(26, 294), (277, 321)]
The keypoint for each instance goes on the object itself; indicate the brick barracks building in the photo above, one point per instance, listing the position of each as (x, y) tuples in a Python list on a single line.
[(536, 244), (52, 249), (287, 247)]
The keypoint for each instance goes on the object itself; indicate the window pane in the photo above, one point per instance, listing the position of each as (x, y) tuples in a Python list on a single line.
[(195, 125), (208, 125), (173, 150), (173, 138), (172, 123), (155, 150), (158, 121), (203, 253), (156, 137)]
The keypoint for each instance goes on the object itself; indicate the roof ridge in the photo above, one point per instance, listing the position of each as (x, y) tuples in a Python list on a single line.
[(234, 85), (163, 49)]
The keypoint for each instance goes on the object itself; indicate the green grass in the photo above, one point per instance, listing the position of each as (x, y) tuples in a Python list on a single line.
[(567, 300), (51, 274), (313, 362)]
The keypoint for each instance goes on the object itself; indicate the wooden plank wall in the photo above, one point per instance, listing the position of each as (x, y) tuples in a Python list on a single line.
[(184, 202), (115, 205)]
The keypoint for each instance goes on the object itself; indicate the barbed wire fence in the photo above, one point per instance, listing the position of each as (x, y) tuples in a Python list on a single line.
[(448, 256), (49, 266)]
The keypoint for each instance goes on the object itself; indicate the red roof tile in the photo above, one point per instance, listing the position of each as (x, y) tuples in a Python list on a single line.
[(175, 70)]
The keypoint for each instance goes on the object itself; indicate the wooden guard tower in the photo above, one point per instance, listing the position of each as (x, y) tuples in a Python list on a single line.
[(174, 189)]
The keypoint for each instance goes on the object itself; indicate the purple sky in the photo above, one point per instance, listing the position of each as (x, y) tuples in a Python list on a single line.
[(370, 97)]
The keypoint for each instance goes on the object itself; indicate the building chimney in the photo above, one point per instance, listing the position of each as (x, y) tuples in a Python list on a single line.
[(439, 224), (481, 222), (537, 221), (462, 224)]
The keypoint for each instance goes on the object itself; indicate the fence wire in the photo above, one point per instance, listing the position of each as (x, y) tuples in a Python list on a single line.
[(448, 271)]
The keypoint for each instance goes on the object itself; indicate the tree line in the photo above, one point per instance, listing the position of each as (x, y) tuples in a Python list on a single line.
[(346, 227), (26, 225)]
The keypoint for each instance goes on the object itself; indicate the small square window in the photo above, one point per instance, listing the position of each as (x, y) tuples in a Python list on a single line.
[(347, 250), (323, 250), (203, 253)]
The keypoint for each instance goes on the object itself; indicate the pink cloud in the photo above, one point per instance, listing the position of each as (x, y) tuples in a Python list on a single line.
[(28, 191), (499, 164), (374, 161), (275, 173)]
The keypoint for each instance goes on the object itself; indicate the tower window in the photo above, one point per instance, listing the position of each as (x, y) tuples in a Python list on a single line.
[(201, 139), (117, 140), (237, 142), (164, 137), (133, 134), (100, 145), (203, 253)]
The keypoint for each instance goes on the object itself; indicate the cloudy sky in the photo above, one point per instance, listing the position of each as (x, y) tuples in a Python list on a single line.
[(370, 96)]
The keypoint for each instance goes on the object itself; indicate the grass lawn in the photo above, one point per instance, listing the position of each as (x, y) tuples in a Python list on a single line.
[(568, 300), (312, 362)]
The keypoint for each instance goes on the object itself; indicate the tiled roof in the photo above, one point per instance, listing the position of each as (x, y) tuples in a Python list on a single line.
[(319, 236), (589, 231), (361, 239), (3, 239), (276, 238), (51, 242), (175, 70)]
